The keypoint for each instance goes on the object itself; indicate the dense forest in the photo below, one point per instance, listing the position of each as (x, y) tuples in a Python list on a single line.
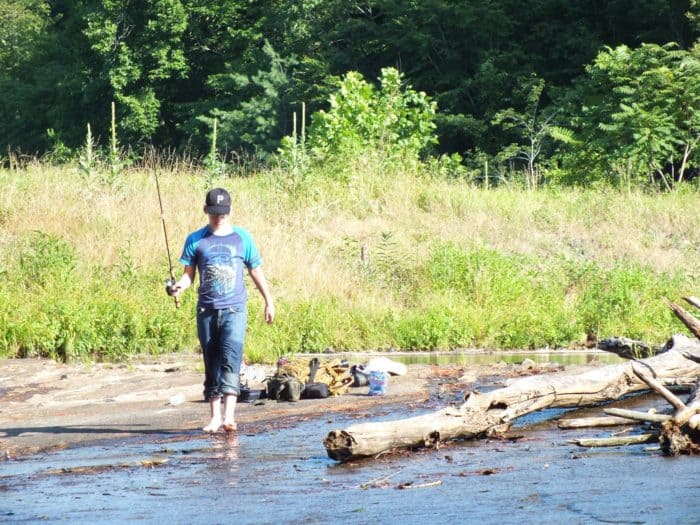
[(576, 90)]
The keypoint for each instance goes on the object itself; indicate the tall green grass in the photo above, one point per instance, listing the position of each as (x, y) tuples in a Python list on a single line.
[(363, 256)]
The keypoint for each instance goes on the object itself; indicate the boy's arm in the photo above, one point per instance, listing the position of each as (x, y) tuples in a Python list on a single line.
[(258, 277)]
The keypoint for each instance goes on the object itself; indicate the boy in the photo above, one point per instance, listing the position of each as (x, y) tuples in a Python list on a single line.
[(219, 251)]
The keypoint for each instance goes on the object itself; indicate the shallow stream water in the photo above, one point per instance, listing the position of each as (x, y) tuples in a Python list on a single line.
[(481, 357), (281, 474)]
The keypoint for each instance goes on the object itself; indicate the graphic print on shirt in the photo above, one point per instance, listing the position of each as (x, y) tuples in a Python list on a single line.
[(219, 276)]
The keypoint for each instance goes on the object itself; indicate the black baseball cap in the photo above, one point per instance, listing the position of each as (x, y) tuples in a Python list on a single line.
[(218, 202)]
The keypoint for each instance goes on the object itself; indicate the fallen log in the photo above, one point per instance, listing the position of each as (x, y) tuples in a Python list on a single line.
[(681, 434), (647, 417), (691, 416), (616, 441), (686, 318), (658, 387), (494, 411), (688, 415), (628, 348), (596, 421)]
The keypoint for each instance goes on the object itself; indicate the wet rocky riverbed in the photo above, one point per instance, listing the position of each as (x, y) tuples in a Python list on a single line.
[(276, 470), (282, 475)]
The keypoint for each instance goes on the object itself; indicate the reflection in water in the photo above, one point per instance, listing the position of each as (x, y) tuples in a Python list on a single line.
[(225, 452)]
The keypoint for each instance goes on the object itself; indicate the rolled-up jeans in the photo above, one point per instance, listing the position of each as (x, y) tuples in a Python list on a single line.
[(221, 335)]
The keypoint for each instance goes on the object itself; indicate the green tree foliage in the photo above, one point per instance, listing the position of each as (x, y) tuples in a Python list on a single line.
[(693, 15), (470, 56), (532, 128), (21, 24), (171, 66), (251, 63), (641, 113), (138, 44), (87, 54), (41, 81), (261, 101), (393, 119)]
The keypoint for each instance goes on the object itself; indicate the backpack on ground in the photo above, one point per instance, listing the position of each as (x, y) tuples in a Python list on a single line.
[(283, 387), (312, 378), (335, 374)]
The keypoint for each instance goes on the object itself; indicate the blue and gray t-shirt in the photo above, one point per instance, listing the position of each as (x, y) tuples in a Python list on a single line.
[(220, 260)]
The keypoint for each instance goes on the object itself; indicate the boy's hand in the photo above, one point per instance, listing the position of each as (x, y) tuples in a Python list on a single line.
[(171, 288), (269, 313)]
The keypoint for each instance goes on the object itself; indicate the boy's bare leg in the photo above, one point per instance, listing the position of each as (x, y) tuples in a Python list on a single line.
[(229, 410), (215, 409)]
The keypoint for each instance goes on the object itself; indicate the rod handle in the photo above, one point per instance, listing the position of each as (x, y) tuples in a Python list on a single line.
[(170, 282)]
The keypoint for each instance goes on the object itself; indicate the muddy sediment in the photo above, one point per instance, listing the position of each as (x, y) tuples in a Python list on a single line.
[(47, 405)]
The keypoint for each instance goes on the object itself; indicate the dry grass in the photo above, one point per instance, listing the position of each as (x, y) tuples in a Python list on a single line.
[(311, 241)]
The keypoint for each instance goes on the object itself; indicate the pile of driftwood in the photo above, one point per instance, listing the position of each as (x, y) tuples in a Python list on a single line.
[(677, 364)]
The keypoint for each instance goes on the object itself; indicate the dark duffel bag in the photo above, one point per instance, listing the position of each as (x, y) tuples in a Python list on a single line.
[(249, 396), (315, 391), (283, 388)]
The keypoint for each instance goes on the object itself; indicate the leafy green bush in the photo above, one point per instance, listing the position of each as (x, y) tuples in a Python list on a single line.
[(394, 120), (627, 299), (425, 329), (51, 309), (638, 120), (527, 303), (45, 259)]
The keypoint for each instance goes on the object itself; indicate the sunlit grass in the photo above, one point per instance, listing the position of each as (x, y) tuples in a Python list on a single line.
[(363, 256)]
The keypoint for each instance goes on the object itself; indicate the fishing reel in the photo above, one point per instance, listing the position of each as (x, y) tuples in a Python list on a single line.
[(169, 286), (170, 290)]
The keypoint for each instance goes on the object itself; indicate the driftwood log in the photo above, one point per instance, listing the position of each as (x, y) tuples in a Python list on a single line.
[(686, 318), (595, 421), (644, 417), (616, 441), (494, 411), (628, 348), (681, 434)]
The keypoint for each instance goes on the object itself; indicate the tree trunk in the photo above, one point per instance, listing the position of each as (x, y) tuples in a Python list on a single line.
[(495, 410)]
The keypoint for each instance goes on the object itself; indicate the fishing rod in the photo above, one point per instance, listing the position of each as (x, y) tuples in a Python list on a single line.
[(171, 280)]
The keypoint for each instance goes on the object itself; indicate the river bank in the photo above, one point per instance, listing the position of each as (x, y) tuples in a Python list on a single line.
[(45, 405)]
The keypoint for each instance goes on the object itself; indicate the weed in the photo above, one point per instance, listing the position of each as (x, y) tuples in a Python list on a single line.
[(214, 167), (115, 162), (87, 162), (45, 260)]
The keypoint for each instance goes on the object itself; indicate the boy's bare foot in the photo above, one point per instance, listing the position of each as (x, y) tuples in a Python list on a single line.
[(230, 427), (213, 425)]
